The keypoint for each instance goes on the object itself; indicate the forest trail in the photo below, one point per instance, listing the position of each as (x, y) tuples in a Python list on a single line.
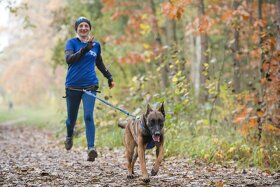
[(35, 157)]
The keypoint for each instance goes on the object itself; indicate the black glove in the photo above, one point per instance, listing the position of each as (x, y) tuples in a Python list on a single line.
[(87, 48), (110, 81)]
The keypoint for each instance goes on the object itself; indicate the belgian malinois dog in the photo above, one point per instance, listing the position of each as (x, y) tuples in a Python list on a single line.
[(141, 134)]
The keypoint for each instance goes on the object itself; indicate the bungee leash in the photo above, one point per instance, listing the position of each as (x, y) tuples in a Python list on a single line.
[(109, 104)]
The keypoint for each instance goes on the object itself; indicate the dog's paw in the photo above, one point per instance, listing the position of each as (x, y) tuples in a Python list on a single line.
[(130, 176), (154, 172), (146, 180)]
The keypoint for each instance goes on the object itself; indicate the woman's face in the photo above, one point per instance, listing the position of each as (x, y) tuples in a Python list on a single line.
[(83, 29)]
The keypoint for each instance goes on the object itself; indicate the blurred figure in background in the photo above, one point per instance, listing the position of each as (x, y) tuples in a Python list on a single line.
[(10, 105)]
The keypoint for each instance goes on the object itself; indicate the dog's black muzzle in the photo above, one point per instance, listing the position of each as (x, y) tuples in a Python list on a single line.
[(157, 133)]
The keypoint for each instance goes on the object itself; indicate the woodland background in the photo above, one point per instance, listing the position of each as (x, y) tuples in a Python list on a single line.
[(215, 64)]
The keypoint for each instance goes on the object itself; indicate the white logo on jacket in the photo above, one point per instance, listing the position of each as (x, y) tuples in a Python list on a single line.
[(92, 53)]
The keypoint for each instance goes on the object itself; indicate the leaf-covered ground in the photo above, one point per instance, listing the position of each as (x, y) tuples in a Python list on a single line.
[(33, 157)]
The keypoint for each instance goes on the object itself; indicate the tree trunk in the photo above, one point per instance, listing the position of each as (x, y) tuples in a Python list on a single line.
[(158, 46), (190, 47), (261, 73), (201, 58), (155, 28), (276, 107), (170, 26), (236, 60), (271, 77), (278, 25), (196, 66), (171, 31)]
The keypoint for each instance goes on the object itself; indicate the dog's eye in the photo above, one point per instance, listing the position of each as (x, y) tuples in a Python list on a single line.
[(161, 122)]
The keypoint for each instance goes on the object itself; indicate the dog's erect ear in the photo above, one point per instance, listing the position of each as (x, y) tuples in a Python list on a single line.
[(149, 109), (161, 109)]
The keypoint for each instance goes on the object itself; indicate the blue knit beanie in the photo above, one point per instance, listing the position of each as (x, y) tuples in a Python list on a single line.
[(80, 20)]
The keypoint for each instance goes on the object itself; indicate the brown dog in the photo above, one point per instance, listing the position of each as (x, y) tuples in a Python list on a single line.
[(144, 133)]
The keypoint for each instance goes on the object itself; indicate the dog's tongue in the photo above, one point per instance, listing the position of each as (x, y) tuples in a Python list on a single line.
[(156, 138)]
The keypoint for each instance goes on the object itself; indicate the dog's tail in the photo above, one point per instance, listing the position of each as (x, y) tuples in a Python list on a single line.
[(122, 123)]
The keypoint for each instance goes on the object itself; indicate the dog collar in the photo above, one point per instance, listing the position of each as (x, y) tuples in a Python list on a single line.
[(146, 131), (151, 144)]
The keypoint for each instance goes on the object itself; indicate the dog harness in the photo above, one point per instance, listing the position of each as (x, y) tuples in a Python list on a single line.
[(151, 144)]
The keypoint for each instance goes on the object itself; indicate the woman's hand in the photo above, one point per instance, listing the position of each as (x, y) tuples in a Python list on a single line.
[(111, 83), (89, 45), (90, 39)]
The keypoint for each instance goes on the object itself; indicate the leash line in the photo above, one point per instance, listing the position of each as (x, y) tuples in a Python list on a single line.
[(109, 104)]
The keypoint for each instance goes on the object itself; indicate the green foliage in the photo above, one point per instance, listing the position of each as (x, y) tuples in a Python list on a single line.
[(113, 138), (58, 54)]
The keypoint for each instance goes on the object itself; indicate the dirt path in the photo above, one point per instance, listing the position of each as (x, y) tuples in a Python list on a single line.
[(32, 157)]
